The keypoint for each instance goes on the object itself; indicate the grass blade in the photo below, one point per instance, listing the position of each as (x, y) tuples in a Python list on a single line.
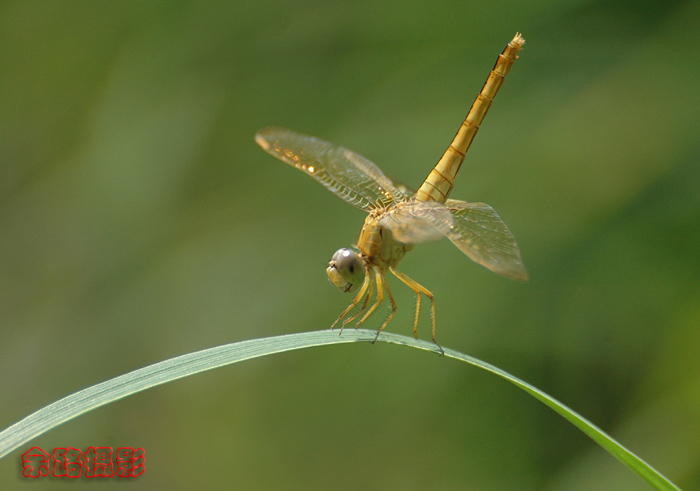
[(117, 388)]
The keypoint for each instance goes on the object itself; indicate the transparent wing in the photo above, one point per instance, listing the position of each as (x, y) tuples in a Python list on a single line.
[(413, 222), (404, 189), (348, 175), (479, 232)]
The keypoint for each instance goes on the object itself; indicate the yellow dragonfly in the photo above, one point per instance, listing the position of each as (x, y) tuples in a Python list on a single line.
[(398, 218)]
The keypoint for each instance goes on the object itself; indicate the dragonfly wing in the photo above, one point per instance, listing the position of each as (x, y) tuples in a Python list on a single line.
[(413, 222), (348, 175), (480, 233), (407, 191)]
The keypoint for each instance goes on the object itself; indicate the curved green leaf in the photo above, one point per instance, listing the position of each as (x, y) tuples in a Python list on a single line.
[(182, 366)]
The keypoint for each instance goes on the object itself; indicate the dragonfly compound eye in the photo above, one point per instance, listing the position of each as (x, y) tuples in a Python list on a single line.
[(345, 270)]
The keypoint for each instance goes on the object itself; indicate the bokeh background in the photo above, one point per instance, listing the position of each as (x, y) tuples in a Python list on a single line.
[(139, 221)]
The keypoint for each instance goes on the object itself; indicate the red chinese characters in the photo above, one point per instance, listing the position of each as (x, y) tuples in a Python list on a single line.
[(94, 462)]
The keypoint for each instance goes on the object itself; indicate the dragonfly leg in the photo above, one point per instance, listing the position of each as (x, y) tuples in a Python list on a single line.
[(393, 309), (370, 292), (415, 321), (418, 288), (380, 297), (355, 301)]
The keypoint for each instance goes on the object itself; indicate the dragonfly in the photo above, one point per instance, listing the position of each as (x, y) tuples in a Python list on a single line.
[(399, 218)]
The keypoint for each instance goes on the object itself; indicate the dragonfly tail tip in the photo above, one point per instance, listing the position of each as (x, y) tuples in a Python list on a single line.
[(517, 41)]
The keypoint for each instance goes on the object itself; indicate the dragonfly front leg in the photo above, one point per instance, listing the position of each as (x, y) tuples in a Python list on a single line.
[(418, 288), (379, 277), (370, 292), (365, 285)]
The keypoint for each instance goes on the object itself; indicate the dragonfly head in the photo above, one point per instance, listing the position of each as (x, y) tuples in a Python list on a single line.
[(345, 270)]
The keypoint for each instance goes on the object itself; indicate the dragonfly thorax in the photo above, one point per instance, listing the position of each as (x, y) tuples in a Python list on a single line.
[(377, 245)]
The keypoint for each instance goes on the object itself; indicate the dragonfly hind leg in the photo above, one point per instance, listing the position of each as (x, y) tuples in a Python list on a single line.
[(418, 288)]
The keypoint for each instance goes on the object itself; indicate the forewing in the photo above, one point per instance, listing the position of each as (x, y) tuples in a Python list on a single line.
[(348, 175), (481, 234), (413, 222)]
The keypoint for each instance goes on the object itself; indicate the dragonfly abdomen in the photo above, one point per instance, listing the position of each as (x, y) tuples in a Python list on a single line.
[(439, 183)]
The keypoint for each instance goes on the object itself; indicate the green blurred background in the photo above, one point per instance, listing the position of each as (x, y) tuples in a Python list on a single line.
[(139, 221)]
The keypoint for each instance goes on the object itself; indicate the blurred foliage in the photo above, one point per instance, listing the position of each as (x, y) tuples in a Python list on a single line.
[(139, 221)]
